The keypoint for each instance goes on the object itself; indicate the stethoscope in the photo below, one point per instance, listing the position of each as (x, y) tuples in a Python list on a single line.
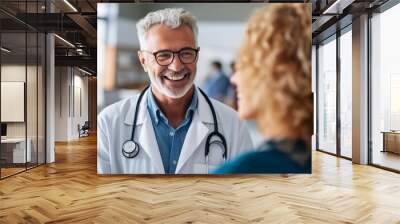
[(130, 148)]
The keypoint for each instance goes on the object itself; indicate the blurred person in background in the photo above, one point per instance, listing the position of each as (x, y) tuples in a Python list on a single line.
[(231, 98), (273, 80), (172, 126), (217, 83)]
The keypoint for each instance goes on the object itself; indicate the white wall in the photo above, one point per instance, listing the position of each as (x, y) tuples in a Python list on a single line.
[(14, 73), (34, 125), (224, 48), (12, 100), (17, 73), (80, 83), (68, 83), (61, 103)]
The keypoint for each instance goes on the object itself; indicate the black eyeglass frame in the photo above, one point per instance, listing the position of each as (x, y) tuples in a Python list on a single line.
[(196, 50)]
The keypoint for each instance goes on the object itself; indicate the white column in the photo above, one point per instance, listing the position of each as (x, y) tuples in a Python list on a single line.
[(50, 100), (50, 92), (360, 90)]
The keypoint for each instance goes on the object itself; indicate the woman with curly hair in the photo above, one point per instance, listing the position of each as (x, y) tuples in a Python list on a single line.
[(273, 80)]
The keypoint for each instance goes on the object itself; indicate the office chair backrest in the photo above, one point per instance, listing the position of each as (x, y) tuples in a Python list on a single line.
[(86, 125)]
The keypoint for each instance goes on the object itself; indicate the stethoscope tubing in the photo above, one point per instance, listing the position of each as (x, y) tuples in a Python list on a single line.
[(209, 141)]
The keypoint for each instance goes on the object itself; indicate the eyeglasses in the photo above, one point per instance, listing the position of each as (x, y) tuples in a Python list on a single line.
[(186, 55)]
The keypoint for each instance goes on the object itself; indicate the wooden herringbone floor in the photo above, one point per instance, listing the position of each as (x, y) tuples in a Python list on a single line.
[(70, 191)]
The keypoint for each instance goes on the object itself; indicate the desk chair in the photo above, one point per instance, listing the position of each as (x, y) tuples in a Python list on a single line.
[(84, 130)]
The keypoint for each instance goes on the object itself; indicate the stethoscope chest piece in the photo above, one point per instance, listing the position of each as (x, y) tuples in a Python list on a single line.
[(219, 140), (130, 149)]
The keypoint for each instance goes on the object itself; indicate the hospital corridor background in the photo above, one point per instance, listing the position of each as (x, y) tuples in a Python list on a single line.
[(64, 61)]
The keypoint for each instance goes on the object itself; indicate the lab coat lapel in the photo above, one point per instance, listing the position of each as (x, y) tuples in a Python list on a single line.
[(197, 132), (147, 141), (145, 133)]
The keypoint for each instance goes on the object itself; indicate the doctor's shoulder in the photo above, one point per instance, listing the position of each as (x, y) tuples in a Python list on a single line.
[(225, 112), (117, 111)]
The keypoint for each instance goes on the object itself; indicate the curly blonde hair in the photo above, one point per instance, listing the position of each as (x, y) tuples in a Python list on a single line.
[(275, 60)]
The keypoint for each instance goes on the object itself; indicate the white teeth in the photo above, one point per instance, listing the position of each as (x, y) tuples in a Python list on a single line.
[(176, 77)]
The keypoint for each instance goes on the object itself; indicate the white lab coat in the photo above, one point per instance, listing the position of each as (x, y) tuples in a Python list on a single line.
[(115, 127)]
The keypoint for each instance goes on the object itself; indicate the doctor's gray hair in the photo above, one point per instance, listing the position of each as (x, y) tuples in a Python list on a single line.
[(171, 17)]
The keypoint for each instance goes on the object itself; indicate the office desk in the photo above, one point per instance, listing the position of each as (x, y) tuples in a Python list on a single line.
[(391, 141), (13, 150)]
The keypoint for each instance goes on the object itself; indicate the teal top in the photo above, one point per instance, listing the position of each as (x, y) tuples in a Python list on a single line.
[(284, 156)]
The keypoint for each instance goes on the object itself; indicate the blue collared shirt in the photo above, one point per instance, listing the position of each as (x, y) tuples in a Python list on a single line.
[(169, 139)]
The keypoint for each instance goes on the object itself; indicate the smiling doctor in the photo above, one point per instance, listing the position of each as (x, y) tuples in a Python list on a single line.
[(172, 127)]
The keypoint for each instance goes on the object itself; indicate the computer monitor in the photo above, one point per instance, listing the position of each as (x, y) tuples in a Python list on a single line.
[(3, 129)]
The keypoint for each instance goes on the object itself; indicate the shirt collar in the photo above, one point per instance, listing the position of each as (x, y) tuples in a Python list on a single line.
[(193, 105), (156, 112), (153, 107)]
